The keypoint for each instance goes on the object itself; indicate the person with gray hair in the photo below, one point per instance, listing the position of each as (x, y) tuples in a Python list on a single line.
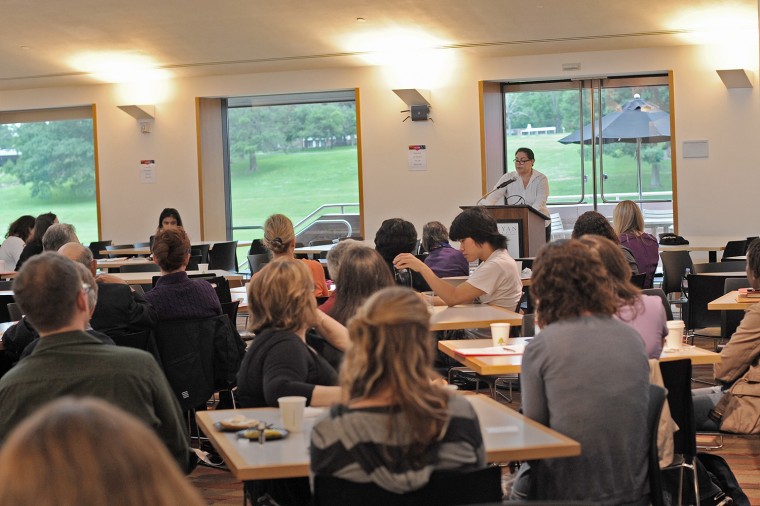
[(334, 258), (69, 361), (57, 235), (442, 259), (120, 310)]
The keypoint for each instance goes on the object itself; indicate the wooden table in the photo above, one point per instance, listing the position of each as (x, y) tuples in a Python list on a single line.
[(512, 364), (146, 278), (507, 436), (314, 250), (712, 251), (7, 275), (727, 302), (146, 250), (117, 263), (471, 316)]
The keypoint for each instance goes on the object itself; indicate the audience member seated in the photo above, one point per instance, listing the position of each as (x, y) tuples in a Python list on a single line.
[(362, 273), (334, 260), (496, 280), (628, 223), (279, 362), (34, 243), (169, 217), (47, 457), (585, 375), (57, 235), (280, 239), (442, 259), (19, 232), (396, 236), (594, 223), (734, 405), (68, 361), (175, 296), (396, 427), (642, 312)]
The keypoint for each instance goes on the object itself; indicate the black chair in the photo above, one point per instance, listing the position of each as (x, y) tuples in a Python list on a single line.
[(202, 250), (656, 402), (724, 266), (528, 327), (320, 242), (143, 245), (676, 377), (639, 279), (748, 242), (257, 247), (658, 292), (231, 310), (223, 256), (4, 301), (449, 488), (701, 322), (674, 264), (734, 249), (119, 246), (6, 284), (194, 262), (96, 247), (14, 312), (729, 320), (257, 261), (142, 267), (142, 340)]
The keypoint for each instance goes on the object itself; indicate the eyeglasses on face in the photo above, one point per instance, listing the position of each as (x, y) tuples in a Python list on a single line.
[(520, 162)]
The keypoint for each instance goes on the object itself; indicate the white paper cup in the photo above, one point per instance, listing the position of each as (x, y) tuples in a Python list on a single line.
[(291, 412), (203, 267), (499, 333), (674, 339)]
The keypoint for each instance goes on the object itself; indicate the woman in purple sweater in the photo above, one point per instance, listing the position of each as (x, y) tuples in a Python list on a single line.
[(442, 259)]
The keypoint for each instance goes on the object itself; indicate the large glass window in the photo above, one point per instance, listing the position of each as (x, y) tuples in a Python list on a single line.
[(47, 164), (598, 141), (296, 155)]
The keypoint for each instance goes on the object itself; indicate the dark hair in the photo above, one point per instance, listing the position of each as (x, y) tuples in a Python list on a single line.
[(569, 279), (592, 222), (395, 236), (362, 273), (169, 212), (479, 226), (619, 272), (528, 152), (433, 234), (170, 248), (753, 257), (21, 228), (46, 288)]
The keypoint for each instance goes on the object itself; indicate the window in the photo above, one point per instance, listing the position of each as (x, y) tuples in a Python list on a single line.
[(293, 154), (47, 164)]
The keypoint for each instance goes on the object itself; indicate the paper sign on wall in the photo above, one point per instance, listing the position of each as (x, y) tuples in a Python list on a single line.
[(147, 171), (417, 157)]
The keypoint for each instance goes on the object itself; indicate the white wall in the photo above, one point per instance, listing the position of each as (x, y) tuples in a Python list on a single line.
[(712, 193)]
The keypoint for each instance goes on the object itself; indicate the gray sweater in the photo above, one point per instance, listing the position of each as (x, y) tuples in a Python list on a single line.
[(588, 378)]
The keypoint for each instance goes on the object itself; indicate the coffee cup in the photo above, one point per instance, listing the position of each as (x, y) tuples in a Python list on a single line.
[(674, 339), (203, 267), (291, 412), (499, 333)]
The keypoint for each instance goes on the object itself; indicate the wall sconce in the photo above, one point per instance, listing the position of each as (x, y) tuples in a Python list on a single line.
[(736, 78), (144, 114), (418, 102)]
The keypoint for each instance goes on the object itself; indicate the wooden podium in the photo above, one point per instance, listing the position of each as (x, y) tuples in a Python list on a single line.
[(520, 222)]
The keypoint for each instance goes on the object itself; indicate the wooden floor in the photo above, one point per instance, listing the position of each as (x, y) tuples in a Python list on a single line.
[(742, 453)]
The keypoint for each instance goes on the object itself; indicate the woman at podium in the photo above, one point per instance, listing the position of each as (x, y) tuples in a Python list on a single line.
[(524, 185)]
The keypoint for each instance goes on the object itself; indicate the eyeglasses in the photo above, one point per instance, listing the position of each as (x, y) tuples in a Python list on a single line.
[(522, 161)]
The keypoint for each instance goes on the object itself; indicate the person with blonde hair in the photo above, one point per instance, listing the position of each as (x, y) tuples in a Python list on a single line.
[(77, 451), (628, 223), (395, 427), (280, 239)]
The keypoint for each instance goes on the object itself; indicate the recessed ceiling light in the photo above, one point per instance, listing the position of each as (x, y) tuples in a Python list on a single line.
[(361, 20)]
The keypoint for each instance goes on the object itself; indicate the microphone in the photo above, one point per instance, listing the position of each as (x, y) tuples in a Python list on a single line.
[(499, 187)]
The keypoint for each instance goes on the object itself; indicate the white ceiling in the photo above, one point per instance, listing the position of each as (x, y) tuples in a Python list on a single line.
[(193, 37)]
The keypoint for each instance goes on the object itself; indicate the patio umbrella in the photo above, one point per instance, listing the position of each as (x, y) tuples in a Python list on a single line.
[(638, 121)]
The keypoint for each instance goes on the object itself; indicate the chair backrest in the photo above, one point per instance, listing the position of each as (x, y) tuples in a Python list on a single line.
[(727, 266), (658, 292), (223, 256), (734, 249), (730, 320), (257, 247), (257, 261), (676, 377), (141, 267), (142, 340), (97, 246), (203, 250), (220, 284), (656, 401), (528, 328), (674, 263), (444, 488), (231, 310), (14, 312), (702, 290), (748, 242), (194, 261), (639, 279), (320, 242), (4, 301)]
